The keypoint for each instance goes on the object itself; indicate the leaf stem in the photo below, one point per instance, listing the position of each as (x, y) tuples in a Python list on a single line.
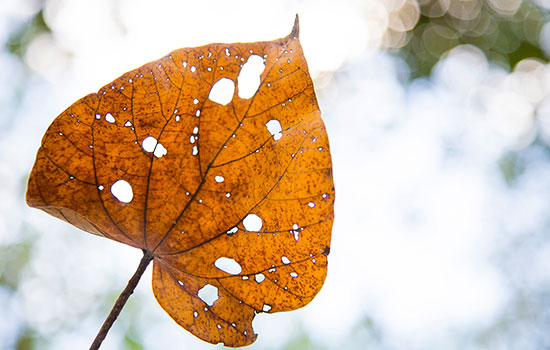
[(122, 298)]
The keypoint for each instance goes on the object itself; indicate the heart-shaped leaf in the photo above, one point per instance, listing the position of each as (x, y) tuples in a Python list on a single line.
[(215, 161)]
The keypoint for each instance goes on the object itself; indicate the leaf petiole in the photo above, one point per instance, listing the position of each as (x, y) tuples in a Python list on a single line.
[(121, 301)]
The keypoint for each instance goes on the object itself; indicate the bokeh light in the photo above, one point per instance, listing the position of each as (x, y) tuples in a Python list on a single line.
[(438, 113)]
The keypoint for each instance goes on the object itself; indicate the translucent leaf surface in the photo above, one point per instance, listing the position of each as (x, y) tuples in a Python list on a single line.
[(232, 195)]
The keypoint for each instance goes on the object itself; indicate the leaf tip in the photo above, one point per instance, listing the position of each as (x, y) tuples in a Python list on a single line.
[(295, 33)]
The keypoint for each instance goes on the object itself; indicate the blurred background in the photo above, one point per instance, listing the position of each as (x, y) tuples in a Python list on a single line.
[(438, 113)]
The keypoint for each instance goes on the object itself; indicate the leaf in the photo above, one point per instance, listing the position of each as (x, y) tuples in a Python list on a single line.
[(228, 185)]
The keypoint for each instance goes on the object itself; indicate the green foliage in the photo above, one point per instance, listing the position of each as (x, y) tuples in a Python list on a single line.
[(20, 39), (15, 258), (506, 39)]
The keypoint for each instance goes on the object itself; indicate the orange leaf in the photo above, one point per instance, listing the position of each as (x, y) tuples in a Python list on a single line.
[(228, 186)]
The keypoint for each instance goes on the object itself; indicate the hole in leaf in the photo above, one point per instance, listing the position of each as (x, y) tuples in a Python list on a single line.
[(160, 151), (249, 77), (274, 127), (195, 314), (109, 118), (311, 204), (252, 223), (222, 91), (219, 178), (259, 277), (285, 260), (122, 191), (293, 274), (232, 231), (266, 308), (228, 265), (149, 143), (208, 294)]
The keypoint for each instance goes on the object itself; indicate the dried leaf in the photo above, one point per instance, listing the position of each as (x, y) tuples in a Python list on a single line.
[(229, 185)]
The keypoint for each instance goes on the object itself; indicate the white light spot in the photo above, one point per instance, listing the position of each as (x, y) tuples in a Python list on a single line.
[(252, 223), (296, 235), (180, 283), (100, 187), (274, 127), (195, 314), (222, 91), (109, 118), (295, 226), (122, 191), (184, 64), (192, 139), (245, 278), (285, 260), (177, 118), (193, 69), (228, 194), (195, 101), (196, 130), (195, 150), (293, 274), (208, 294), (228, 265), (128, 123), (227, 53), (232, 231), (219, 178), (266, 308), (219, 326), (97, 116), (249, 77), (198, 113), (259, 277), (311, 204)]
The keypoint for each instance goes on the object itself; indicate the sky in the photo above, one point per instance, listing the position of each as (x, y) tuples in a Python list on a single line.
[(422, 209)]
